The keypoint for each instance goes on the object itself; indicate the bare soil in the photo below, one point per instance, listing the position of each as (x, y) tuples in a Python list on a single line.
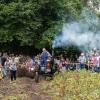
[(22, 89)]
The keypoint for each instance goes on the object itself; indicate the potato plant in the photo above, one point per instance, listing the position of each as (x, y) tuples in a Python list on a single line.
[(74, 85)]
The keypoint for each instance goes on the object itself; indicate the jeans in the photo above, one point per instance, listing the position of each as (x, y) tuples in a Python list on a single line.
[(95, 69), (82, 66), (13, 75), (4, 72), (78, 67)]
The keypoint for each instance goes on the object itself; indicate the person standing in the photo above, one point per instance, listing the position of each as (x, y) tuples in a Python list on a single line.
[(44, 57), (95, 62), (17, 59), (82, 60), (62, 64), (3, 63), (29, 63), (13, 69)]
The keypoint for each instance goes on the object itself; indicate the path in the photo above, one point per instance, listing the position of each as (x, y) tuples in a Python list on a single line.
[(22, 89)]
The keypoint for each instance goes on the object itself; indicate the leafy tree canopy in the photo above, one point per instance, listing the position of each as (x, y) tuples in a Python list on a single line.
[(35, 22)]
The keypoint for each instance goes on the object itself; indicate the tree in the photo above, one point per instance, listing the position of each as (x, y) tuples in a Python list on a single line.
[(63, 10), (35, 22)]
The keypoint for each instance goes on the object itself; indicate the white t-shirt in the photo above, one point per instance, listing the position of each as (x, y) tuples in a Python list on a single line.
[(13, 66)]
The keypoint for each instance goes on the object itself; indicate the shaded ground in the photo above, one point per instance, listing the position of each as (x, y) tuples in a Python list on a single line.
[(22, 89)]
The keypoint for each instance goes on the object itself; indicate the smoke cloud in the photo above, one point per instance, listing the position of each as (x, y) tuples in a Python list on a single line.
[(84, 33)]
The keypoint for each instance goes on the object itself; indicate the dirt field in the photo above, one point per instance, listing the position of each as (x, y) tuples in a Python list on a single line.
[(22, 89)]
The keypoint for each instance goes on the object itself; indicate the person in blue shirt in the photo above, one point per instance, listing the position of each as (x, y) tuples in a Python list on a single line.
[(45, 55)]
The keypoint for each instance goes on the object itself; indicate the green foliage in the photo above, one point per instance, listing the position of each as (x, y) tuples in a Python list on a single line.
[(65, 10), (35, 22), (76, 85)]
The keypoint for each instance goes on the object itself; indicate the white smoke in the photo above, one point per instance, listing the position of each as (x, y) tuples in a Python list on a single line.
[(83, 33)]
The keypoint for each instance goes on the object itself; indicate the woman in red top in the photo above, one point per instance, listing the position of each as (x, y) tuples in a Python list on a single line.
[(94, 61)]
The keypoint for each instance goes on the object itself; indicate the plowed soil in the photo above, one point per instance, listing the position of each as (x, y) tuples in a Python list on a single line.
[(22, 89)]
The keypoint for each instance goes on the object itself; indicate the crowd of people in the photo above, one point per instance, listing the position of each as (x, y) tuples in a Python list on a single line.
[(88, 60), (91, 59), (10, 63)]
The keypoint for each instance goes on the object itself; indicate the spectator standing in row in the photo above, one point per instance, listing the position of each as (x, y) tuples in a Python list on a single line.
[(82, 61), (13, 69), (17, 59), (3, 64)]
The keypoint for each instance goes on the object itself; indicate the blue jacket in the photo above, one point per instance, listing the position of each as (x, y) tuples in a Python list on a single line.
[(44, 57)]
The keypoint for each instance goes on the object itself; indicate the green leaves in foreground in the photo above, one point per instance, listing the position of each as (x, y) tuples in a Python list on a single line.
[(75, 85)]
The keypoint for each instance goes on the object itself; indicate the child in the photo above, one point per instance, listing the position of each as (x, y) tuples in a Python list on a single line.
[(13, 69)]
